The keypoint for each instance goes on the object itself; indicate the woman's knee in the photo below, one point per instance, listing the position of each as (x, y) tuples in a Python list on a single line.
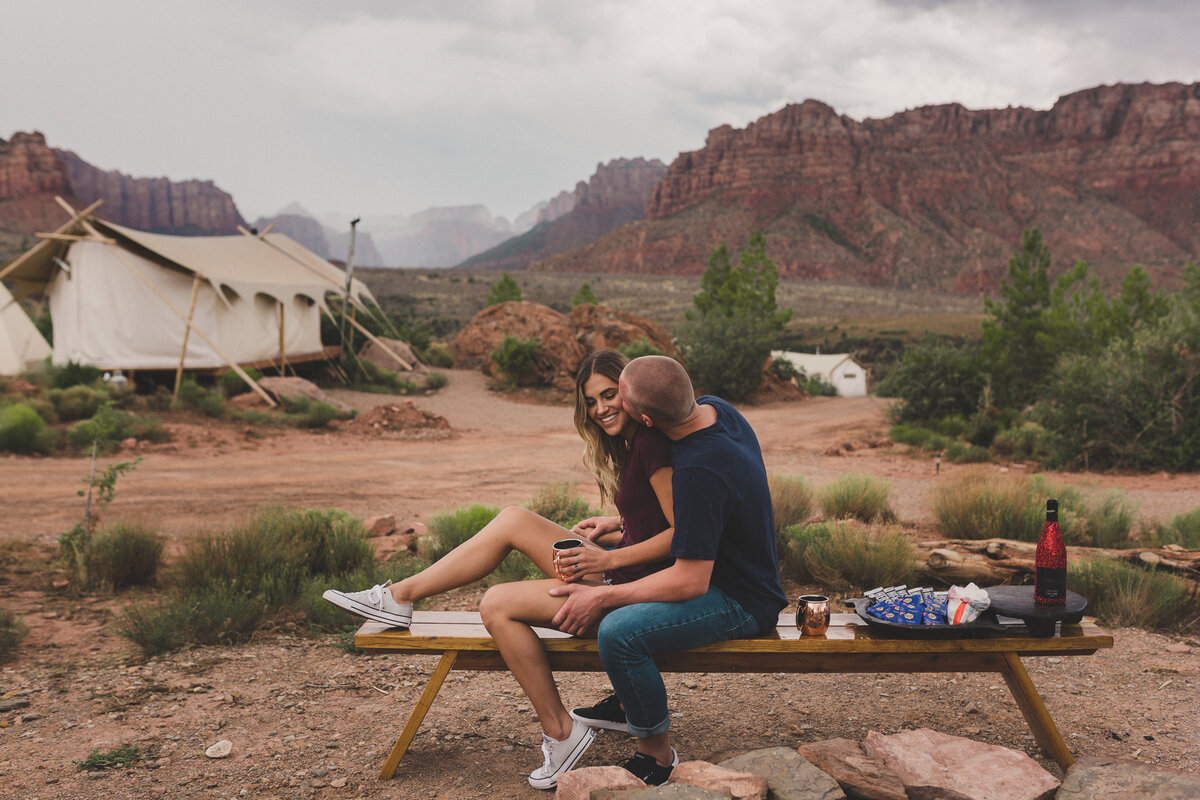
[(492, 607)]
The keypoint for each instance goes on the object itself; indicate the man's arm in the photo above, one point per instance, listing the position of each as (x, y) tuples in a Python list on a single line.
[(585, 605)]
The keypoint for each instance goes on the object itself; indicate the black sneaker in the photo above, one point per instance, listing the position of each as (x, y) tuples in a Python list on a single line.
[(606, 714), (648, 770)]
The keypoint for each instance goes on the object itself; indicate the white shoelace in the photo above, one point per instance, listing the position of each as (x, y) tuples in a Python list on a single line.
[(375, 595)]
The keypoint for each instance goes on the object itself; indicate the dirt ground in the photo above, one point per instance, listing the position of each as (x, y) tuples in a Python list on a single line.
[(307, 719)]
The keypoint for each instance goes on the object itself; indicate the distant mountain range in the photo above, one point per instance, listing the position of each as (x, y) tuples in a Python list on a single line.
[(933, 198)]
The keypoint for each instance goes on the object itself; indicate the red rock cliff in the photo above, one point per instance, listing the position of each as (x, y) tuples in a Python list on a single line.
[(935, 197), (30, 176)]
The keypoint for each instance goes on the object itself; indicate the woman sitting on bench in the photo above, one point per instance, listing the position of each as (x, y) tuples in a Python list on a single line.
[(632, 465)]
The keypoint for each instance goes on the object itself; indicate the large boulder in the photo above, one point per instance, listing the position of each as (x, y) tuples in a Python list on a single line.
[(599, 327), (377, 353), (735, 784), (281, 388), (556, 360), (789, 776), (934, 764), (858, 774)]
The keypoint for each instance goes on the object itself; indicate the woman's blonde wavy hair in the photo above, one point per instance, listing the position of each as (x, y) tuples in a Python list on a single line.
[(604, 456)]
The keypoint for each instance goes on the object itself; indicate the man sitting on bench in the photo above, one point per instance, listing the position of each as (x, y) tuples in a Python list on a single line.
[(724, 583)]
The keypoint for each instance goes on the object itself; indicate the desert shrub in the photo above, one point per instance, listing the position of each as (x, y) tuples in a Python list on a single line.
[(40, 404), (559, 503), (504, 290), (783, 369), (791, 500), (23, 431), (436, 355), (436, 380), (380, 380), (123, 554), (71, 374), (1124, 595), (214, 615), (12, 631), (638, 348), (962, 453), (584, 295), (515, 358), (816, 386), (272, 555), (1183, 530), (792, 542), (856, 496), (983, 506), (76, 402), (952, 426), (123, 757), (850, 558), (1024, 442), (110, 426), (449, 530), (206, 401), (934, 380), (316, 415), (231, 383), (917, 436)]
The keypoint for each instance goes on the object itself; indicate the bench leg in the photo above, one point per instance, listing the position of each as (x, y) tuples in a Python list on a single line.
[(418, 714), (1045, 732)]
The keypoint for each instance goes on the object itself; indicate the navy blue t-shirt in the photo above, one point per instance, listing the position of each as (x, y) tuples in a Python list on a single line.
[(723, 511)]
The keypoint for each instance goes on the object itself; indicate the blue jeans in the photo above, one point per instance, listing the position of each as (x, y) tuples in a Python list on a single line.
[(629, 637)]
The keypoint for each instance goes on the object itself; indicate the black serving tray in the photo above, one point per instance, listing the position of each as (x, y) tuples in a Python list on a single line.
[(984, 623), (1017, 601)]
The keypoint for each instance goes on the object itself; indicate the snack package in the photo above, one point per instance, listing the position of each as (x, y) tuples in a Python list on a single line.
[(965, 603)]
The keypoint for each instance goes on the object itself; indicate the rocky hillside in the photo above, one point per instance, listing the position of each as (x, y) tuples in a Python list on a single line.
[(935, 197), (614, 195), (32, 173)]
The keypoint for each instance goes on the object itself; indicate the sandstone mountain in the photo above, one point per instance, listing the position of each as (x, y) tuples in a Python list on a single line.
[(934, 197), (614, 195), (32, 173), (325, 241)]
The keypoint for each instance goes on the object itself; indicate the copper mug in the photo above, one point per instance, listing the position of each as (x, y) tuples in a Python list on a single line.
[(812, 615), (565, 544)]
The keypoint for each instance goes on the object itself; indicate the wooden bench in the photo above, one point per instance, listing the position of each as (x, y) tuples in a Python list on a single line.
[(850, 646)]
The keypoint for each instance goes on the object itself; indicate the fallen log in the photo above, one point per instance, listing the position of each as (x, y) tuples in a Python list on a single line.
[(988, 562)]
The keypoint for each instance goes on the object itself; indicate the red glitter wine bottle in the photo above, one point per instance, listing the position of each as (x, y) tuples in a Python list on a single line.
[(1050, 560)]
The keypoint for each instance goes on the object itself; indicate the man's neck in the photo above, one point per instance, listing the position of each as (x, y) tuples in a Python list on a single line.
[(703, 416)]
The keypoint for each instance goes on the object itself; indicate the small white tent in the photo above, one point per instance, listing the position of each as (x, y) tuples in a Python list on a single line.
[(839, 370), (127, 299), (21, 345)]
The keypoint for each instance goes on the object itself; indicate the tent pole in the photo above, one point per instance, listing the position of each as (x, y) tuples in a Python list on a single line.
[(75, 218), (186, 333), (253, 384), (282, 353), (382, 346)]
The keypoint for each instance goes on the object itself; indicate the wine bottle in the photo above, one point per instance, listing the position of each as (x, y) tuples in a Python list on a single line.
[(1050, 561)]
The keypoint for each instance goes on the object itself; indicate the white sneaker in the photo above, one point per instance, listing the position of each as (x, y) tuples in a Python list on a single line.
[(561, 756), (375, 603)]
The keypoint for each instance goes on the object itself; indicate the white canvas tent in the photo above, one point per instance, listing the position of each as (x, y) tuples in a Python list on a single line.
[(127, 299), (839, 370), (21, 345)]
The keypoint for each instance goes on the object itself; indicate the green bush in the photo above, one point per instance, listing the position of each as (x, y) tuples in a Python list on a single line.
[(817, 386), (12, 631), (71, 374), (123, 757), (206, 401), (848, 558), (792, 543), (214, 615), (436, 380), (584, 295), (1027, 441), (23, 431), (515, 358), (109, 427), (230, 383), (449, 530), (559, 503), (1183, 530), (383, 381), (76, 402), (934, 380), (917, 436), (437, 355), (1123, 595), (784, 370), (42, 405), (856, 496), (504, 290), (122, 555), (961, 453), (638, 348), (791, 500), (272, 555)]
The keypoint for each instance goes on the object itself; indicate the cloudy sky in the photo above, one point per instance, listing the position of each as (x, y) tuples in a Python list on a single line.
[(391, 107)]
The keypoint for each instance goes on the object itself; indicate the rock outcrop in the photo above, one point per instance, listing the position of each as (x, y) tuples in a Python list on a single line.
[(30, 177), (614, 195), (935, 197)]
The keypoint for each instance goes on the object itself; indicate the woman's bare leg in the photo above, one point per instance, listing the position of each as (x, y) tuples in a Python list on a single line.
[(513, 528), (509, 610)]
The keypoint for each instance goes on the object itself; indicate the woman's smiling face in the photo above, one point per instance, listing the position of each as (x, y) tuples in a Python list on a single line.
[(604, 406)]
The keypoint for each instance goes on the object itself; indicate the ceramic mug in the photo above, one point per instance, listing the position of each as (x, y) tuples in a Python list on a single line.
[(812, 615)]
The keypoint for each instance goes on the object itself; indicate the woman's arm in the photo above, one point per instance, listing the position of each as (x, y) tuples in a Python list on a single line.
[(590, 559)]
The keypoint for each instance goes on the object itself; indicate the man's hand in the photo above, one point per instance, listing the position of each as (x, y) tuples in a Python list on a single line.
[(583, 609)]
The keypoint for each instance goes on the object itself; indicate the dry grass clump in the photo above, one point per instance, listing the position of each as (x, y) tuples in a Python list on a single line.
[(1124, 595), (791, 500), (842, 556), (856, 496)]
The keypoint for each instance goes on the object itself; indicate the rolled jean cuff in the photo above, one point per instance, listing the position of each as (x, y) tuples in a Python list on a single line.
[(646, 733)]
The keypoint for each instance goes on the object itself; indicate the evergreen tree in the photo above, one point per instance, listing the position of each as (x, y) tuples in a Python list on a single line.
[(584, 295), (504, 290)]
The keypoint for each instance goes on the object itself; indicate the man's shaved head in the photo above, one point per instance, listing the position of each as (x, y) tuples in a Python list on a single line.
[(659, 387)]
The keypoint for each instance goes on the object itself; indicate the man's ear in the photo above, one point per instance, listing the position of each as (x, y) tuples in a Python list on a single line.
[(649, 423)]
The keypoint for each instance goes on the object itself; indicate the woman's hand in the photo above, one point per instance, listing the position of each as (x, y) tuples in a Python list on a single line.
[(593, 527), (578, 562)]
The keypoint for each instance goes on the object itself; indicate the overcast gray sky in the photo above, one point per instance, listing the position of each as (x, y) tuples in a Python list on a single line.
[(392, 107)]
